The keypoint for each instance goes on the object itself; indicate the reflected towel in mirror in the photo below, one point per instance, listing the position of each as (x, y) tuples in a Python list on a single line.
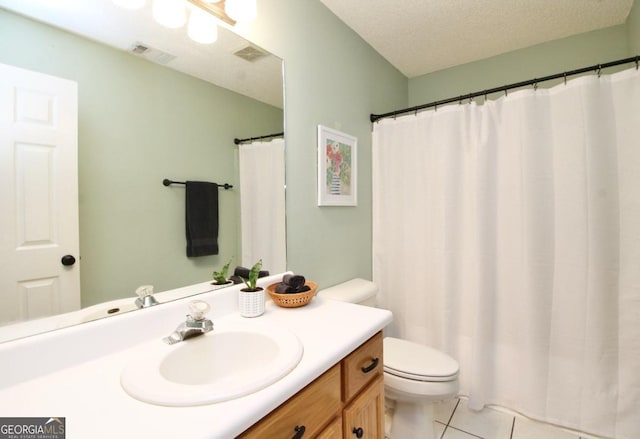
[(201, 218)]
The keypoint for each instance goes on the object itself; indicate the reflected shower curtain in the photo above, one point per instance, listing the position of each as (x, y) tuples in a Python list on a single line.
[(508, 235), (262, 205)]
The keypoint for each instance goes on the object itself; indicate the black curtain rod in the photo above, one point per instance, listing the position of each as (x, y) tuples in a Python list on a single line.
[(505, 88), (167, 182), (251, 139)]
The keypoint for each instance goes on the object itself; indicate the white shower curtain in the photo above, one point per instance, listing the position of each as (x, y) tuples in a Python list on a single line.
[(262, 204), (508, 235)]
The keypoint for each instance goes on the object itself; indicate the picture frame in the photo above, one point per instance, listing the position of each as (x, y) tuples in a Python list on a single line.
[(337, 168)]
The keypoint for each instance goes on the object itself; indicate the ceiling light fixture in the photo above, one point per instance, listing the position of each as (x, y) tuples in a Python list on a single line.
[(202, 27), (170, 13), (130, 4), (241, 10)]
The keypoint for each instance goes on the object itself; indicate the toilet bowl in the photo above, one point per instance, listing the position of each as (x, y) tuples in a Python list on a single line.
[(415, 375)]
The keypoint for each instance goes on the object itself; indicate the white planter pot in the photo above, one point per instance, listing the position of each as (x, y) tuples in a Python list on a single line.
[(251, 303)]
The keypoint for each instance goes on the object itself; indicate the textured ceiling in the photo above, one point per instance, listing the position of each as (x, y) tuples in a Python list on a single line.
[(422, 36)]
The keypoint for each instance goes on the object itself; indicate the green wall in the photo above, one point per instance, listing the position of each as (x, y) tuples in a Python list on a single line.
[(633, 31), (332, 78), (138, 124)]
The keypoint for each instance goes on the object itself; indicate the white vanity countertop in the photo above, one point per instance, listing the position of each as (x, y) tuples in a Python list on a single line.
[(94, 404)]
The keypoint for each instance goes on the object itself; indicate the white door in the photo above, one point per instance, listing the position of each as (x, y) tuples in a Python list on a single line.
[(38, 195)]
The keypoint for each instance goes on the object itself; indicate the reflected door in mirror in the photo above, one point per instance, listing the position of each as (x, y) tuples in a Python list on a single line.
[(38, 195)]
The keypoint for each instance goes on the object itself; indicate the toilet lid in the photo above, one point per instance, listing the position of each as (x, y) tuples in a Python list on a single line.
[(417, 362)]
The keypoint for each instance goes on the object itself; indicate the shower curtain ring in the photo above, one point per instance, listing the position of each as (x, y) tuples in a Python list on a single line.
[(637, 62), (470, 98), (565, 78), (599, 70), (535, 84)]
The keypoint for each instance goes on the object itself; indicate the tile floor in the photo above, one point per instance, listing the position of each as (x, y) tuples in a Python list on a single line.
[(453, 420)]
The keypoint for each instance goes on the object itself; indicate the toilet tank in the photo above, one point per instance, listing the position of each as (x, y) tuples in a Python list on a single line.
[(358, 291)]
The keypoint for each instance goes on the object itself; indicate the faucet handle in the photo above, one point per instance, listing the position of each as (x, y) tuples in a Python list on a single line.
[(198, 309), (145, 296), (144, 291)]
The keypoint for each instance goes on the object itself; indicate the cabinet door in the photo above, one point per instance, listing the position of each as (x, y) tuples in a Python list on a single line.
[(364, 417)]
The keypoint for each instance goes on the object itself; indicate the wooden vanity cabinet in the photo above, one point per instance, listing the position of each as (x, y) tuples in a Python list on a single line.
[(345, 402)]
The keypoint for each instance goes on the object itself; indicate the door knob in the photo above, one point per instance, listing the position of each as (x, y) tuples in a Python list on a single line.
[(68, 260)]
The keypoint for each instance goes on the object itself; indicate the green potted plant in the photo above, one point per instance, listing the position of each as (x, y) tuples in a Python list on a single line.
[(252, 281), (251, 298), (220, 277)]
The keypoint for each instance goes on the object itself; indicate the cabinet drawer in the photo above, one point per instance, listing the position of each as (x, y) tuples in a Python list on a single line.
[(361, 366), (310, 409)]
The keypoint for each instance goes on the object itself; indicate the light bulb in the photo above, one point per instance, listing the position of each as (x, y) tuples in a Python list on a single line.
[(202, 27), (130, 4), (241, 10), (169, 13)]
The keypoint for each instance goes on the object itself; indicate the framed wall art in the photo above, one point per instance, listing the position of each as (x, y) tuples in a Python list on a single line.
[(337, 168)]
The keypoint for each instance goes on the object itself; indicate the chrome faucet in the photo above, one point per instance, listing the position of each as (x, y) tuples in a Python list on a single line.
[(196, 323), (145, 296)]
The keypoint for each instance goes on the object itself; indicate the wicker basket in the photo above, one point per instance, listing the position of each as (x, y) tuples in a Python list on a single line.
[(293, 300)]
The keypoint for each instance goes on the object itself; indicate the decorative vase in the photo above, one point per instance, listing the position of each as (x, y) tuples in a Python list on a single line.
[(251, 303)]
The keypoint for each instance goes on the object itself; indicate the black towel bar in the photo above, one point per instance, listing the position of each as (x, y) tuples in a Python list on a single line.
[(168, 182), (251, 139)]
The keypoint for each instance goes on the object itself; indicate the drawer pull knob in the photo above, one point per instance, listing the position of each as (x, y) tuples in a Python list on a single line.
[(359, 432), (369, 368), (299, 431)]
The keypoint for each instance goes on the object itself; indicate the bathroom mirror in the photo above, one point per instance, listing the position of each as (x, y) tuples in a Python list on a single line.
[(152, 105)]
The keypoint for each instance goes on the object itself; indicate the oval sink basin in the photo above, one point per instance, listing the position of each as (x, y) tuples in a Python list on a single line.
[(223, 364)]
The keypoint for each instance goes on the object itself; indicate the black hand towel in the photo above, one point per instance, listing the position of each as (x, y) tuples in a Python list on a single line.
[(283, 288), (201, 218), (294, 280), (243, 272)]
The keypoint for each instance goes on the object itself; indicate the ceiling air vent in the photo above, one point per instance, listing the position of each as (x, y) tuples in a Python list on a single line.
[(139, 49), (250, 53), (148, 52)]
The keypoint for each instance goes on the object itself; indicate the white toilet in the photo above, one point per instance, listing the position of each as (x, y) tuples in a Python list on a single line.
[(415, 375)]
